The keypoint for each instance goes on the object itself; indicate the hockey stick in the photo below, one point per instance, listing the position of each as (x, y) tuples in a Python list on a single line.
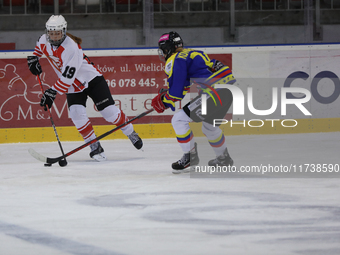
[(62, 161), (54, 160)]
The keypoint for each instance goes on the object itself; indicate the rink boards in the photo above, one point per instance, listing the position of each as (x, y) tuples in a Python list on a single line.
[(264, 74)]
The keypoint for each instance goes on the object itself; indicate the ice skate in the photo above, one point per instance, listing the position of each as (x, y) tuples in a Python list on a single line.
[(188, 159), (222, 160), (97, 152), (136, 140)]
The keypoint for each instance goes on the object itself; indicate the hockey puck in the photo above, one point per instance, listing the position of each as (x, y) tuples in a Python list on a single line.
[(62, 162), (47, 164)]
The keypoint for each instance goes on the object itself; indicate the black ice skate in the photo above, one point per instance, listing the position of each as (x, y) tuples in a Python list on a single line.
[(97, 152), (188, 159), (222, 160), (136, 140)]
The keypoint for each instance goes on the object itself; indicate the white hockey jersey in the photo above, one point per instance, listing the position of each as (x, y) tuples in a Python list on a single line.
[(68, 61)]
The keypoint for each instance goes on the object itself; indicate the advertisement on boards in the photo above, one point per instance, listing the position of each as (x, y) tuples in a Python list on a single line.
[(133, 82)]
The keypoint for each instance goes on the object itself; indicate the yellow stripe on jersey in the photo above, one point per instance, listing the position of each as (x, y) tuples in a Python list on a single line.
[(203, 56)]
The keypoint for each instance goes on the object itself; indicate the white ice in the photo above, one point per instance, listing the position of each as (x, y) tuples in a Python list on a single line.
[(133, 204)]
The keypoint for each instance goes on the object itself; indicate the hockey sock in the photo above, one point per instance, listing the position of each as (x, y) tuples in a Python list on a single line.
[(82, 122), (117, 117), (121, 119), (180, 122), (186, 141), (215, 138), (87, 132)]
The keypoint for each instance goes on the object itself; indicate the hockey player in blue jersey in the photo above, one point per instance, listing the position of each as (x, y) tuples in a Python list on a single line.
[(182, 66)]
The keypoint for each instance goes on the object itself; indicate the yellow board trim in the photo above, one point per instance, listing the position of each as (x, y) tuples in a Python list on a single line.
[(165, 130), (46, 134)]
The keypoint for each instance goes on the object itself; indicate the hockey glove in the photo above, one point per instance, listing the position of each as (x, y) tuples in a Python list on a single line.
[(48, 98), (157, 102), (34, 65), (217, 66), (162, 90)]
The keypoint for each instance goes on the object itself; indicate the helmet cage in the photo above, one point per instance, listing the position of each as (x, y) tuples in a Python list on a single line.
[(168, 43), (161, 55), (56, 23)]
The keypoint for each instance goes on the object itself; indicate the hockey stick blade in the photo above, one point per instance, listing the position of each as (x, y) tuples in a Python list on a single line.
[(37, 156), (48, 160)]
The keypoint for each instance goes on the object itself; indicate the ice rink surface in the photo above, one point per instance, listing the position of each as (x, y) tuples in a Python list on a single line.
[(133, 204)]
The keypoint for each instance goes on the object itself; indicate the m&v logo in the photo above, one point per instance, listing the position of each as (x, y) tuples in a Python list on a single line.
[(204, 97)]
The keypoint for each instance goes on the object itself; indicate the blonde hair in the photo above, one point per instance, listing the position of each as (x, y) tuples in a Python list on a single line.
[(78, 40)]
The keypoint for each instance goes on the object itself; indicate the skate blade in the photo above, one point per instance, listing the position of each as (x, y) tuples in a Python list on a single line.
[(99, 157), (186, 170)]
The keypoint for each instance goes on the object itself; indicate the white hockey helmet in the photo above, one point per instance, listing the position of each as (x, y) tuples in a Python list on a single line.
[(56, 23)]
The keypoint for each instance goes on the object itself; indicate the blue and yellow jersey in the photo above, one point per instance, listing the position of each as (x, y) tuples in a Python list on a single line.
[(188, 65)]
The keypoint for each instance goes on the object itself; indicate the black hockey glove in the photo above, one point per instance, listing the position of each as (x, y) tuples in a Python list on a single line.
[(162, 90), (217, 66), (34, 65), (48, 98)]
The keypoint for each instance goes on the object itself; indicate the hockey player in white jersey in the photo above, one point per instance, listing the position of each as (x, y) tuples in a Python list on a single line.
[(79, 79)]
